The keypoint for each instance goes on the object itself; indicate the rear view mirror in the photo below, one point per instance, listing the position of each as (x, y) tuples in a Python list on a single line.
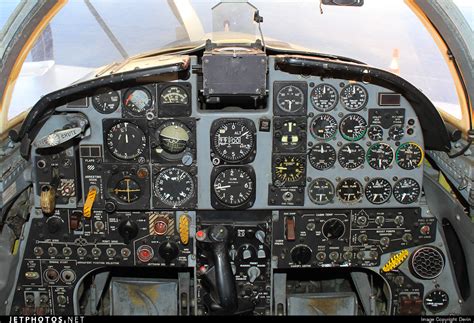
[(346, 3)]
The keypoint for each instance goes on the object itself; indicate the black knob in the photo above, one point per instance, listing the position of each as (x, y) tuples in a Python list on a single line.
[(168, 251), (54, 224), (128, 230), (301, 255), (333, 229)]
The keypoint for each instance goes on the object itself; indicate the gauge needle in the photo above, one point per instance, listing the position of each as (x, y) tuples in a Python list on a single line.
[(403, 196), (380, 162), (222, 187), (281, 168), (289, 103), (126, 138)]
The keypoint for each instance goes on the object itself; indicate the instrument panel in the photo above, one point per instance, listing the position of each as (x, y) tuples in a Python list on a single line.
[(327, 173)]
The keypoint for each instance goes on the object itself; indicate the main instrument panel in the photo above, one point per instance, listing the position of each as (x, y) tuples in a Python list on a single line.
[(312, 173)]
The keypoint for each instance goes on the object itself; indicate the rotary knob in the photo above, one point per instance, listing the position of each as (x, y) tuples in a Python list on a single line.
[(301, 254), (333, 229), (168, 251), (128, 230)]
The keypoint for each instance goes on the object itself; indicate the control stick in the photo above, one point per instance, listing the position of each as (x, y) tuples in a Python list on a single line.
[(215, 240)]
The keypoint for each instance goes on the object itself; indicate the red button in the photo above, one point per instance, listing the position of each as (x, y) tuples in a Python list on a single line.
[(425, 229), (200, 234), (145, 253)]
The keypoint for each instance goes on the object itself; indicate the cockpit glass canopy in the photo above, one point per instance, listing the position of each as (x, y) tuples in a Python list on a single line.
[(88, 34)]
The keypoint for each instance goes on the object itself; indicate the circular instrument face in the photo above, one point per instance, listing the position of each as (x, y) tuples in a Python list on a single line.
[(436, 300), (375, 133), (378, 190), (290, 98), (233, 141), (409, 155), (174, 95), (396, 133), (289, 169), (321, 191), (380, 156), (406, 190), (174, 186), (351, 156), (127, 190), (353, 127), (323, 126), (234, 186), (106, 100), (349, 190), (290, 134), (322, 156), (137, 100), (324, 97), (333, 229), (354, 97), (126, 140), (173, 136)]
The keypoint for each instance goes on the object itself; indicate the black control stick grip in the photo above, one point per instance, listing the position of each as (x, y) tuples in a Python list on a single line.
[(218, 238)]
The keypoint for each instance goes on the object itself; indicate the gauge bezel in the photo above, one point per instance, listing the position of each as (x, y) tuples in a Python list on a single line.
[(312, 95), (220, 205), (215, 155), (108, 124), (340, 152), (278, 126), (189, 203), (122, 171), (318, 116), (397, 154), (310, 185), (128, 112), (390, 132), (299, 182), (384, 144), (369, 132), (359, 107), (102, 91), (278, 86), (178, 109), (361, 190), (367, 189), (163, 157), (332, 151), (398, 183), (347, 137)]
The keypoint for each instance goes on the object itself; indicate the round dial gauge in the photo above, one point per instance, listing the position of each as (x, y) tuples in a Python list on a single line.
[(396, 133), (234, 186), (137, 100), (174, 186), (324, 97), (375, 133), (233, 141), (409, 155), (353, 127), (406, 190), (289, 169), (378, 190), (354, 97), (290, 134), (126, 140), (173, 136), (322, 156), (323, 126), (174, 95), (290, 98), (436, 300), (106, 100), (380, 156), (351, 156), (127, 190), (321, 191), (349, 190)]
